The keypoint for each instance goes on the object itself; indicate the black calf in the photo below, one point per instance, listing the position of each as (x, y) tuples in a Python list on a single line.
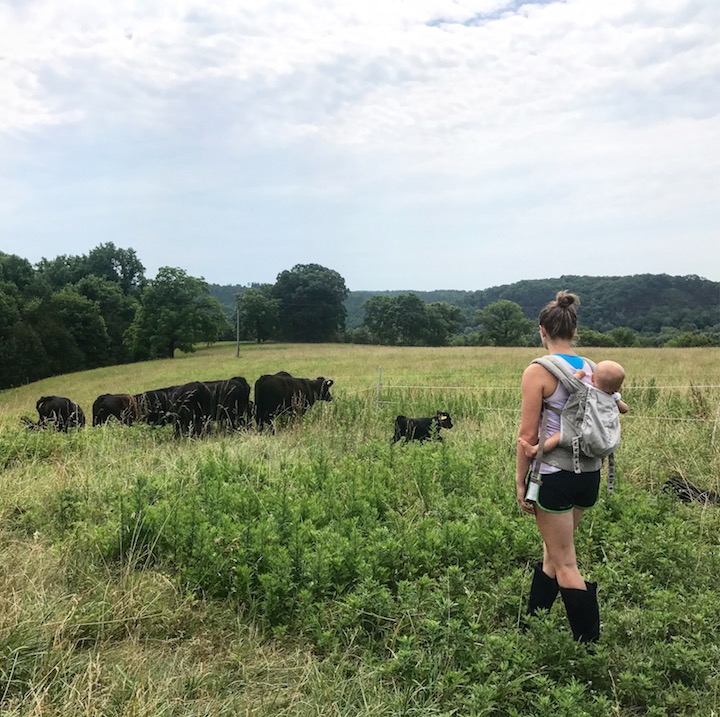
[(421, 429)]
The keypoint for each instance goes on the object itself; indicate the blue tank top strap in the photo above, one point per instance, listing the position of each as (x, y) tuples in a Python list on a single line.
[(576, 362)]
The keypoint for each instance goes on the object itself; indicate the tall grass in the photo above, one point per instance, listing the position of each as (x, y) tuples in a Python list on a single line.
[(322, 570)]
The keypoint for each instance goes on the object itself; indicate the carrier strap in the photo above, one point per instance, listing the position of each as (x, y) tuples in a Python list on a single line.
[(535, 473), (611, 474)]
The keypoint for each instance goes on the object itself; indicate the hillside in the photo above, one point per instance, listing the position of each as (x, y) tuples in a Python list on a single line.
[(645, 302)]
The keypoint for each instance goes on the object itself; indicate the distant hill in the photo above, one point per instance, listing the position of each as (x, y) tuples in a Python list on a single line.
[(644, 302)]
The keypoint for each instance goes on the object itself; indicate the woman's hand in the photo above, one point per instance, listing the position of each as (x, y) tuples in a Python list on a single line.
[(524, 505)]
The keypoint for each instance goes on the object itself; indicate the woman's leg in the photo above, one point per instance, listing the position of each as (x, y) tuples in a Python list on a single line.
[(580, 598), (547, 566), (577, 515), (557, 531)]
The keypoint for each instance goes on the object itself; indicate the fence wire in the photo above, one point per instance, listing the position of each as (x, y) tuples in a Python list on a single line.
[(382, 388)]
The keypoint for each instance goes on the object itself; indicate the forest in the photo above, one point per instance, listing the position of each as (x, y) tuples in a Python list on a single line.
[(650, 310), (72, 313)]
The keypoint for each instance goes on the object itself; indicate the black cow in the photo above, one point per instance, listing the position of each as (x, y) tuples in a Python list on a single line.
[(58, 411), (230, 402), (121, 406), (191, 409), (154, 405), (282, 393), (421, 429)]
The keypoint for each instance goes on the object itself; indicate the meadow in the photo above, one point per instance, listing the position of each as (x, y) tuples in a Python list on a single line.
[(324, 571)]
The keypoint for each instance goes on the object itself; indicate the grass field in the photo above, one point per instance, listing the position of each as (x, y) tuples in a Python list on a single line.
[(322, 571)]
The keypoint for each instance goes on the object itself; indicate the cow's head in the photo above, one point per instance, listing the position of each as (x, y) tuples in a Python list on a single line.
[(443, 419), (323, 385)]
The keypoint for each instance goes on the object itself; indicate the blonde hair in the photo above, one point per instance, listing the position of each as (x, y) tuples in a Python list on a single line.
[(609, 376), (559, 317)]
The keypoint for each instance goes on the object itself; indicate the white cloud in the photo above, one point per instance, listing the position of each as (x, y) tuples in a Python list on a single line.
[(567, 112)]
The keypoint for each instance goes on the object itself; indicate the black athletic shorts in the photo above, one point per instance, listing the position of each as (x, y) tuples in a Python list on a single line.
[(565, 490)]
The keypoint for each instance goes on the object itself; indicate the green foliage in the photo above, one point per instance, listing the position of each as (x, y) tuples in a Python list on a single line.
[(176, 312), (687, 339), (623, 336), (397, 574), (405, 320), (72, 331), (504, 324), (116, 308), (644, 303), (68, 314), (120, 266), (258, 313), (310, 303), (588, 337)]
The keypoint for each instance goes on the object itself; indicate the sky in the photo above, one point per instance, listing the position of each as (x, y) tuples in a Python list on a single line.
[(405, 144)]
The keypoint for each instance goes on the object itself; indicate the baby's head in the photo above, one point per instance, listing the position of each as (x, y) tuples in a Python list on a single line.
[(608, 376)]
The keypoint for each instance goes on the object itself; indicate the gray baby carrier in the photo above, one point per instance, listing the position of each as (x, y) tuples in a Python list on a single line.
[(589, 425)]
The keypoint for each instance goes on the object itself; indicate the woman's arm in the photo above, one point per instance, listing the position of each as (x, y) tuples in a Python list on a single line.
[(533, 386)]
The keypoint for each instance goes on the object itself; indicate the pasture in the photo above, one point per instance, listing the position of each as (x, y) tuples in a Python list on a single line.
[(324, 571)]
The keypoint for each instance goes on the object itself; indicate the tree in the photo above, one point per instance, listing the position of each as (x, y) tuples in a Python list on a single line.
[(504, 323), (117, 309), (411, 320), (258, 313), (71, 329), (588, 337), (689, 339), (22, 356), (311, 304), (444, 320), (623, 336), (120, 266), (176, 311), (62, 270), (399, 320), (380, 319), (16, 272), (407, 320)]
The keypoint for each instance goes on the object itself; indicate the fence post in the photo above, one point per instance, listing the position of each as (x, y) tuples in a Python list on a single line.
[(379, 386)]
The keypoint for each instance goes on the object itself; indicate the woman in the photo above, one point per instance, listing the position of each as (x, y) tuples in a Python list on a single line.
[(563, 495)]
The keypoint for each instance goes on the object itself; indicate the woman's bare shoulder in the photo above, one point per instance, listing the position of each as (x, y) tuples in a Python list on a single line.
[(536, 375), (535, 370)]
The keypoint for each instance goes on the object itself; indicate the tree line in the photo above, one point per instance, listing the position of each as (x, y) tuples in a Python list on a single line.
[(73, 313), (645, 310)]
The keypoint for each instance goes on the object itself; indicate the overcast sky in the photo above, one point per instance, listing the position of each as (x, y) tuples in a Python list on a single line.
[(406, 144)]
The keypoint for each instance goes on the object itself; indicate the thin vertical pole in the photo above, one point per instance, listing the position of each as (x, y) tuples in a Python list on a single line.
[(237, 326), (379, 386)]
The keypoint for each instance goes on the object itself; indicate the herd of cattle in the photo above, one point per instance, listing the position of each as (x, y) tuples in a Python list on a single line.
[(194, 408)]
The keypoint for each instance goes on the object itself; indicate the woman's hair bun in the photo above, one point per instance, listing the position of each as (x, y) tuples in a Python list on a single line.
[(565, 299)]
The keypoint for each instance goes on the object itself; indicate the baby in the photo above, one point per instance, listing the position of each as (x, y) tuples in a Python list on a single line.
[(608, 377)]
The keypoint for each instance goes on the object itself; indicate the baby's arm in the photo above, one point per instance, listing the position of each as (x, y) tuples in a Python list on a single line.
[(550, 443), (622, 406)]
